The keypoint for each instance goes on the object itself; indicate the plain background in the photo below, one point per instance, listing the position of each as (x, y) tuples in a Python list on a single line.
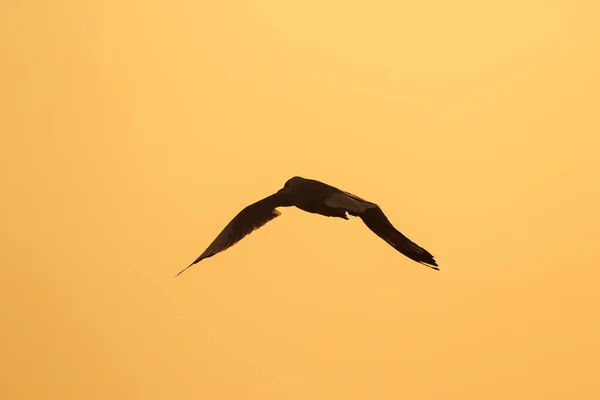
[(133, 131)]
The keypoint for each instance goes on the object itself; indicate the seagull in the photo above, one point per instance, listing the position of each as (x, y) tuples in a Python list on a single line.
[(318, 198)]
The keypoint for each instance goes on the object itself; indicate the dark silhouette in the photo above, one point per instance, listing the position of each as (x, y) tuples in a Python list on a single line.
[(318, 198)]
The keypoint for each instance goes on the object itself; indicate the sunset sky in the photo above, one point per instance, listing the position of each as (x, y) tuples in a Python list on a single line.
[(131, 132)]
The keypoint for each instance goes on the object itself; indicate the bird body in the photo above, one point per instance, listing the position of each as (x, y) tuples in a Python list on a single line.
[(318, 198)]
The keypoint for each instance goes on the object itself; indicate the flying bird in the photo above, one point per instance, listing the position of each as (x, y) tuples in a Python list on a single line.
[(318, 198)]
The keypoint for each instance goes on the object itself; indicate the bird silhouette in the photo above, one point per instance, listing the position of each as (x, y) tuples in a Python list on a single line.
[(318, 198)]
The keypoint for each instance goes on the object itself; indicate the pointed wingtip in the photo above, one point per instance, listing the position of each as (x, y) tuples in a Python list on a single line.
[(180, 272), (432, 265)]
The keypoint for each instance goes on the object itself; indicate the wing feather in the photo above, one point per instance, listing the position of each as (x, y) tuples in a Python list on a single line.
[(245, 222), (377, 222)]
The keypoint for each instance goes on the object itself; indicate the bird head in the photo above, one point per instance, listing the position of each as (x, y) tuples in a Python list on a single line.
[(291, 184), (290, 189)]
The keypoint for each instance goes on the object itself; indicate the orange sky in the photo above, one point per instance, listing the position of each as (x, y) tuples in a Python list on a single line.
[(132, 132)]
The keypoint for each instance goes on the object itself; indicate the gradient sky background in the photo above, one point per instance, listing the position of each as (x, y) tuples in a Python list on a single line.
[(133, 131)]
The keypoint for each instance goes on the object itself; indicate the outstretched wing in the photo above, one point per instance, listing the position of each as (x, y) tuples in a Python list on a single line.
[(377, 222), (249, 219)]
